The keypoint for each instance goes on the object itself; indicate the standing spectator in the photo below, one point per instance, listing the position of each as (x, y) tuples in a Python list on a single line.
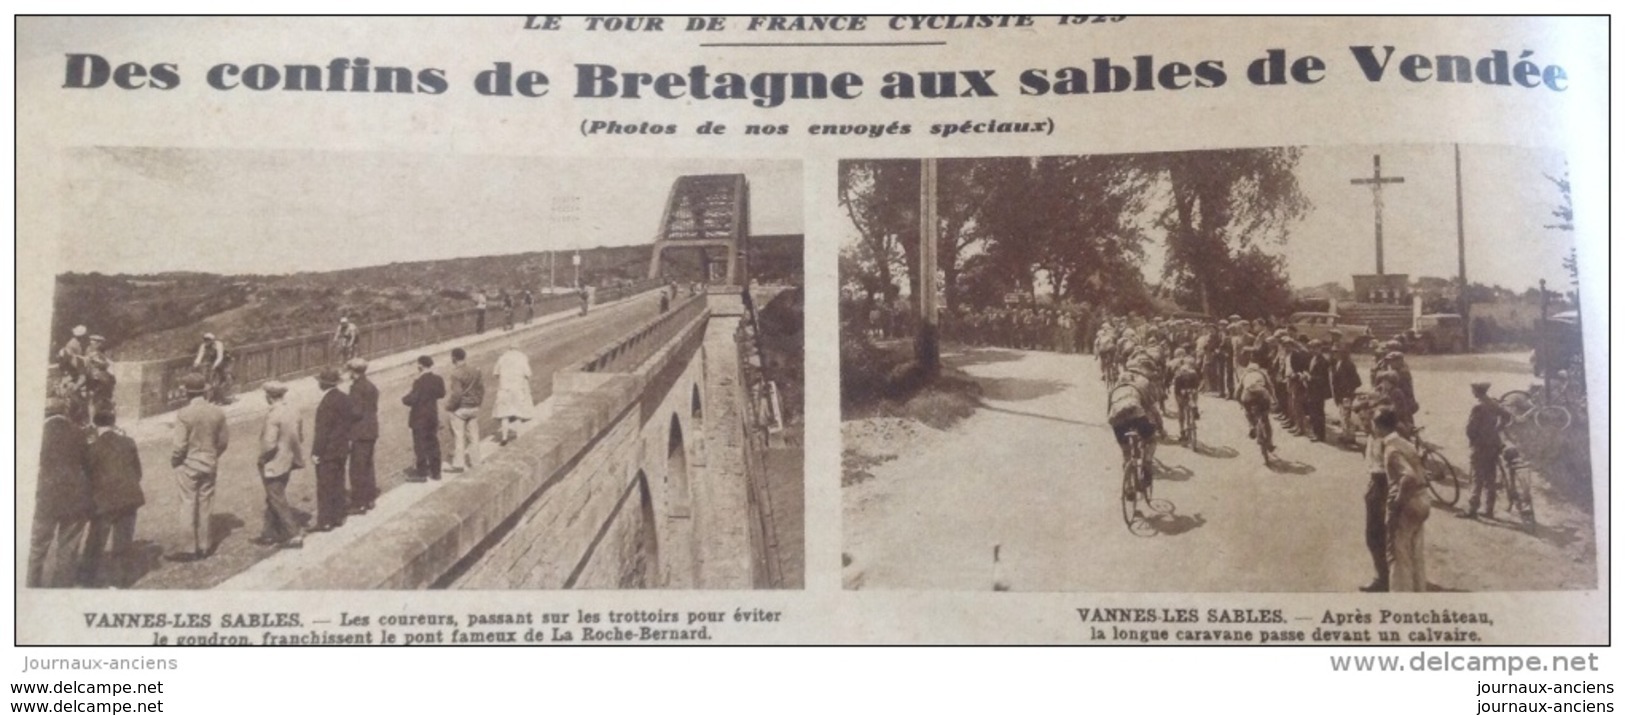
[(466, 392), (114, 465), (1345, 383), (62, 501), (664, 302), (1319, 388), (530, 306), (346, 337), (581, 292), (1408, 507), (507, 309), (513, 402), (1484, 446), (1376, 496), (200, 439), (479, 311), (330, 447), (424, 419), (363, 439), (281, 452)]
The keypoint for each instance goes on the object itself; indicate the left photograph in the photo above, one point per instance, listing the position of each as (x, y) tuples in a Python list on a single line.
[(308, 370)]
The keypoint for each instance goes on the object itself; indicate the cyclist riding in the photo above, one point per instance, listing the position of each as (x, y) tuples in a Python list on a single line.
[(1131, 409), (215, 362), (345, 338), (1186, 377), (1257, 398)]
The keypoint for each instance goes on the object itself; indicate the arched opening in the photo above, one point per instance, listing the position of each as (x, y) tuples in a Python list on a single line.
[(677, 459), (643, 571)]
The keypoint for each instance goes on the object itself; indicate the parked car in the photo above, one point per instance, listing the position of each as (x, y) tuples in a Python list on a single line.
[(1319, 326), (1439, 333)]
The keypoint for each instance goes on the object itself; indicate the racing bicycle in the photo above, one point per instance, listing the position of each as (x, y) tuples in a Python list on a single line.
[(1136, 479)]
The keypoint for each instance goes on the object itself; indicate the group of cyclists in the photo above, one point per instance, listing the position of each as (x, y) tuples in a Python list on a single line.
[(1268, 369)]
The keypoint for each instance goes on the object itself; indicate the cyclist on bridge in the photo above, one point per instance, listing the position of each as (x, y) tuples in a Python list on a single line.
[(214, 361), (346, 337)]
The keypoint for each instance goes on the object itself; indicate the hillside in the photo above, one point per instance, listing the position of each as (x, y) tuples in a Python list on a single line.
[(148, 317)]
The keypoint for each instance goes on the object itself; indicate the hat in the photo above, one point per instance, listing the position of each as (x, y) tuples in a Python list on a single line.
[(344, 319), (275, 388), (328, 377), (195, 383), (425, 361), (357, 364), (1481, 388), (208, 336), (1394, 355), (97, 338), (79, 331), (1234, 318), (1316, 344)]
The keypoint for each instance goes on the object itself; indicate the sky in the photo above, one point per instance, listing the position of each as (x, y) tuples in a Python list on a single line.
[(147, 210)]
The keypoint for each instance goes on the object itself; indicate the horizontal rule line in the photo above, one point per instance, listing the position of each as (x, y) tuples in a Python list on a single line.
[(821, 44)]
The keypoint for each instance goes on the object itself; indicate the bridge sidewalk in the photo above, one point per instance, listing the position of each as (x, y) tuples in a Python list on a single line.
[(246, 405)]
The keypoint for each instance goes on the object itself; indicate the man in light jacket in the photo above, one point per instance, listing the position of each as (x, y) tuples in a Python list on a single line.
[(281, 452)]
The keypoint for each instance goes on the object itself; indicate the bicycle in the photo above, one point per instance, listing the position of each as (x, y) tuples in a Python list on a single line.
[(1511, 471), (1136, 479), (1442, 479), (1531, 403), (1188, 415)]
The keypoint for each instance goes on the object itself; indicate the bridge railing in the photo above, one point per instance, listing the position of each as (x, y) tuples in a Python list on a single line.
[(630, 351), (291, 358)]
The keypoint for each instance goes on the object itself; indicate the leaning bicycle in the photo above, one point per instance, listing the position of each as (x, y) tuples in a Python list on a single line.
[(1513, 474), (1443, 481), (1532, 405)]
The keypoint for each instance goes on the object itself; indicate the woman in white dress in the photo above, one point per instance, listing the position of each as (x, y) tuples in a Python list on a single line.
[(513, 403)]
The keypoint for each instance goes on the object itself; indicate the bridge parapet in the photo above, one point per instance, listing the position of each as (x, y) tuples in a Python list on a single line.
[(152, 387)]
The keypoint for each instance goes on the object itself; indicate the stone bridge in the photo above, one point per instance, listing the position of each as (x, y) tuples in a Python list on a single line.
[(638, 474)]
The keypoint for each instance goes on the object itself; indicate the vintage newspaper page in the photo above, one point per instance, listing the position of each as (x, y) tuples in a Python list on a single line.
[(968, 329)]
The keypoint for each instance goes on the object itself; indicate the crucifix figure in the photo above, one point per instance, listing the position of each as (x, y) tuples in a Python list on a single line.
[(1375, 182)]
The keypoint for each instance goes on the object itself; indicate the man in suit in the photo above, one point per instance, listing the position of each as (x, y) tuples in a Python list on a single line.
[(424, 419), (329, 449), (1319, 388), (200, 439), (1345, 383), (114, 464), (363, 439), (281, 452), (62, 500)]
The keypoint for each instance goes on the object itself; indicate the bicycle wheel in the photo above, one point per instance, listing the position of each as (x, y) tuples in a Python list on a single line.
[(1553, 417), (1129, 491), (1261, 435), (1518, 492), (1519, 402), (1441, 477)]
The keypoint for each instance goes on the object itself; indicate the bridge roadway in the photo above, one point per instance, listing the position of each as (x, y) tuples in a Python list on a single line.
[(553, 342), (1036, 470)]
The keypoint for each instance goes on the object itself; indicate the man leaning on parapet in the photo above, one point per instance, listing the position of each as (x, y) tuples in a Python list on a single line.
[(200, 439)]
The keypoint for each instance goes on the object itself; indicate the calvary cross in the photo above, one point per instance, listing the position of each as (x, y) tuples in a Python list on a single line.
[(1375, 182)]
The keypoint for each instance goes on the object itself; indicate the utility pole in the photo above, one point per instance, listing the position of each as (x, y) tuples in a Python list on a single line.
[(1463, 306), (926, 350)]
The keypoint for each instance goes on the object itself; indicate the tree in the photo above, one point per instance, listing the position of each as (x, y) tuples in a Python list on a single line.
[(1220, 205)]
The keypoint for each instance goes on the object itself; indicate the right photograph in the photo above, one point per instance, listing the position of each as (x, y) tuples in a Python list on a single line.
[(1284, 369)]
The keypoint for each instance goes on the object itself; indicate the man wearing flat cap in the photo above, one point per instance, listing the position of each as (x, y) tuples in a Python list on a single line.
[(282, 443), (330, 449), (363, 438), (62, 501), (200, 439), (1484, 447)]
